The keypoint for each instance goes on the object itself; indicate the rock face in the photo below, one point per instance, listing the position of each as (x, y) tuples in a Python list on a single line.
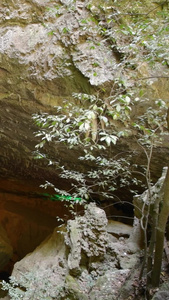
[(141, 202), (43, 59), (82, 262), (87, 237), (48, 50), (6, 250), (27, 217)]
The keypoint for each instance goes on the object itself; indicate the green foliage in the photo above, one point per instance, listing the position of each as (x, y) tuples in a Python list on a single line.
[(65, 30), (51, 32), (86, 124), (89, 126), (133, 33), (56, 197), (152, 124)]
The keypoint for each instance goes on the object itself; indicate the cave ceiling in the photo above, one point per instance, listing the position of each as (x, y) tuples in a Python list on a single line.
[(41, 65)]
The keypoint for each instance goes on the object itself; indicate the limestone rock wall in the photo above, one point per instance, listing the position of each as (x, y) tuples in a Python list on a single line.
[(45, 55), (79, 262), (26, 218), (49, 49), (6, 250)]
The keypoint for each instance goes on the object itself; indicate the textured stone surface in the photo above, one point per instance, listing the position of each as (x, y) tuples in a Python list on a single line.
[(86, 236), (42, 61), (118, 228), (82, 262), (48, 50), (162, 295), (27, 216), (6, 250), (108, 286), (141, 202), (6, 298)]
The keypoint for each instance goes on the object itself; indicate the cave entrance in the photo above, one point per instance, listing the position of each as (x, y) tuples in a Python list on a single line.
[(26, 220)]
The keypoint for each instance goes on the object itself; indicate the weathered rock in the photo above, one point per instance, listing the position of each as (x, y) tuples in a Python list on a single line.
[(42, 61), (48, 50), (136, 239), (74, 290), (102, 267), (141, 202), (118, 228), (163, 293), (27, 215), (6, 250), (47, 265), (87, 236), (5, 298), (107, 287)]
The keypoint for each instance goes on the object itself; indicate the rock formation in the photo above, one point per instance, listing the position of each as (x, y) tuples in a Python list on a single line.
[(27, 217), (6, 250), (49, 50), (80, 262)]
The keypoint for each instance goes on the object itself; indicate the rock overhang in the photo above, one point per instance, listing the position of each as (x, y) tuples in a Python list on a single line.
[(48, 51)]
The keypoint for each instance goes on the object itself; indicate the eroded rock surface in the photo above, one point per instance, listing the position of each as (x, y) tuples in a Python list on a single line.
[(87, 238), (82, 262), (6, 250), (163, 293), (48, 50), (141, 202), (45, 56), (27, 217)]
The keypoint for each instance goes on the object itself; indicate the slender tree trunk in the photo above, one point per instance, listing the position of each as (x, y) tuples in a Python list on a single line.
[(145, 213), (154, 225), (151, 248), (163, 217)]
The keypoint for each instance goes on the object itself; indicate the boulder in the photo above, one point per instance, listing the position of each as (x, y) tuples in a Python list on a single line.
[(86, 237), (78, 261), (163, 293), (119, 229)]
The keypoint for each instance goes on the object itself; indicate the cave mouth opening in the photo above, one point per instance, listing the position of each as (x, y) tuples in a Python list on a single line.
[(26, 220), (4, 275), (120, 206)]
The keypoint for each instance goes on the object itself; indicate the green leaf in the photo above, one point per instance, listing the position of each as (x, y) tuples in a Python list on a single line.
[(65, 30), (51, 32), (118, 107)]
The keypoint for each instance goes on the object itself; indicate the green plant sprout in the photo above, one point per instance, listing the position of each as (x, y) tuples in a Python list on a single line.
[(56, 197)]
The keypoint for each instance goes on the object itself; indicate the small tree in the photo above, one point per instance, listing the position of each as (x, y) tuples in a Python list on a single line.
[(89, 128), (151, 212)]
